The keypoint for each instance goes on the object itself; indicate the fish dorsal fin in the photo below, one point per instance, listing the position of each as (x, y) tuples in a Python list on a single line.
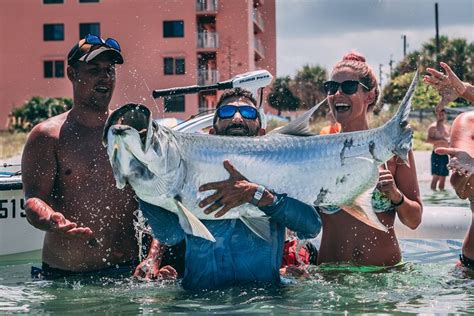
[(191, 224), (195, 124), (260, 226), (300, 125), (361, 209)]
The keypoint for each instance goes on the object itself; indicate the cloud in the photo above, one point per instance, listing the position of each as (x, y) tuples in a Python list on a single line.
[(378, 46), (323, 18)]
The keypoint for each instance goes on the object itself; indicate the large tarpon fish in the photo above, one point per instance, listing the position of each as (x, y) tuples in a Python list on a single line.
[(166, 167)]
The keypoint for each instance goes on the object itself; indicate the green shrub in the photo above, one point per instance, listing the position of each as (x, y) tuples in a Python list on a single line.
[(35, 111)]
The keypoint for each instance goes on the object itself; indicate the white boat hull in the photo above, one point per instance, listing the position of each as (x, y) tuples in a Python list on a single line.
[(16, 234)]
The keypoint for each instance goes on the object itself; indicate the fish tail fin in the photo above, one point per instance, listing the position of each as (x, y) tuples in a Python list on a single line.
[(361, 209), (191, 224), (260, 226), (403, 144)]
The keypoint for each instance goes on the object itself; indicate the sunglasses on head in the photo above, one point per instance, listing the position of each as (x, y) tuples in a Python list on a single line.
[(348, 87), (228, 111), (96, 40)]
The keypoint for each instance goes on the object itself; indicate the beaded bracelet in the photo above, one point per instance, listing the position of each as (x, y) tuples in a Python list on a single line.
[(401, 201)]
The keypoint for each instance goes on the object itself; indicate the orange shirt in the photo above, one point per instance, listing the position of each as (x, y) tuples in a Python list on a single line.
[(330, 129)]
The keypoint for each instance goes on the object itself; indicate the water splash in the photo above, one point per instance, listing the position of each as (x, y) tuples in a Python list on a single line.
[(141, 227)]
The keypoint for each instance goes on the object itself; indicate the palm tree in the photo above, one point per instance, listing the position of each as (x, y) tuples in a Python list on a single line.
[(281, 97), (308, 85)]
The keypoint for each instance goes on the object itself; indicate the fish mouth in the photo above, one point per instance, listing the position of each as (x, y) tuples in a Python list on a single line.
[(131, 115), (342, 107)]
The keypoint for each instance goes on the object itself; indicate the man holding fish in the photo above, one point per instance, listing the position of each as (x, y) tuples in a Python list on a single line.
[(171, 173), (239, 255)]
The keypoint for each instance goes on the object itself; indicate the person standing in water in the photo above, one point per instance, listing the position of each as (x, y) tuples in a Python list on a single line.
[(68, 181), (352, 93), (238, 256), (438, 135), (461, 148)]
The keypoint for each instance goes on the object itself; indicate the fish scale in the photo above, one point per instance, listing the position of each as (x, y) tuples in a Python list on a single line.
[(337, 169)]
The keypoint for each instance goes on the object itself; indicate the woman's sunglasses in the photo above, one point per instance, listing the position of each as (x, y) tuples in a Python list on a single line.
[(348, 87), (228, 111)]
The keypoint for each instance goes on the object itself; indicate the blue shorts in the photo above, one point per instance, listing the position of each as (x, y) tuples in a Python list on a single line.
[(439, 165)]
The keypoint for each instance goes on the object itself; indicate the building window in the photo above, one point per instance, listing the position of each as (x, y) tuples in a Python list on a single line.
[(173, 28), (88, 1), (53, 32), (169, 69), (89, 28), (174, 66), (54, 69), (174, 104), (52, 1), (179, 66)]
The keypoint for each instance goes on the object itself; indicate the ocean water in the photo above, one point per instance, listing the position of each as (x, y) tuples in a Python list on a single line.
[(427, 283)]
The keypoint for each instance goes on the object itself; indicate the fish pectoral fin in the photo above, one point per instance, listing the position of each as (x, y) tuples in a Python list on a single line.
[(191, 224), (362, 210), (260, 226), (301, 125)]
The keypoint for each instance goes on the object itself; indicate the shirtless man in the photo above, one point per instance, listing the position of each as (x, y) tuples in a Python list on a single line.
[(462, 145), (68, 181), (438, 135)]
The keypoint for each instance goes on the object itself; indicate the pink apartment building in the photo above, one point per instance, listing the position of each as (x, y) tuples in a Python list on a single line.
[(165, 43)]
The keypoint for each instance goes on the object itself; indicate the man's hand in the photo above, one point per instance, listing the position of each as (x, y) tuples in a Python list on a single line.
[(149, 269), (449, 86), (230, 193), (60, 225), (462, 164), (460, 161), (387, 186), (295, 271)]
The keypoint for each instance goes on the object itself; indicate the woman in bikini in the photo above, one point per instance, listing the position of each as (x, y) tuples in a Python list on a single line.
[(352, 93)]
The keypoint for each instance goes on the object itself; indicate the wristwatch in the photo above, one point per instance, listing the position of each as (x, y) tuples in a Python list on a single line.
[(258, 195)]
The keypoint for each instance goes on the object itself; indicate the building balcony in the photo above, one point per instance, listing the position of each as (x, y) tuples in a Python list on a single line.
[(259, 49), (207, 77), (258, 21), (206, 6), (208, 40)]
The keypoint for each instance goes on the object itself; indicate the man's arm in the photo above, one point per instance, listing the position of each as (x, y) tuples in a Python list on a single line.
[(164, 224), (39, 168), (462, 141), (295, 215), (237, 190), (149, 268)]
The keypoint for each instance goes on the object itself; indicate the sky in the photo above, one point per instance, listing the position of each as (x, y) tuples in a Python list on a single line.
[(320, 32)]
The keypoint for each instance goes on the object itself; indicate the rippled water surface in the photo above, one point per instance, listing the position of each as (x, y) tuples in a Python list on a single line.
[(413, 288)]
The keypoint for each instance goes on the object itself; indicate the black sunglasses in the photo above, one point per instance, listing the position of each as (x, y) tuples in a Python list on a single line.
[(228, 111), (348, 87)]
